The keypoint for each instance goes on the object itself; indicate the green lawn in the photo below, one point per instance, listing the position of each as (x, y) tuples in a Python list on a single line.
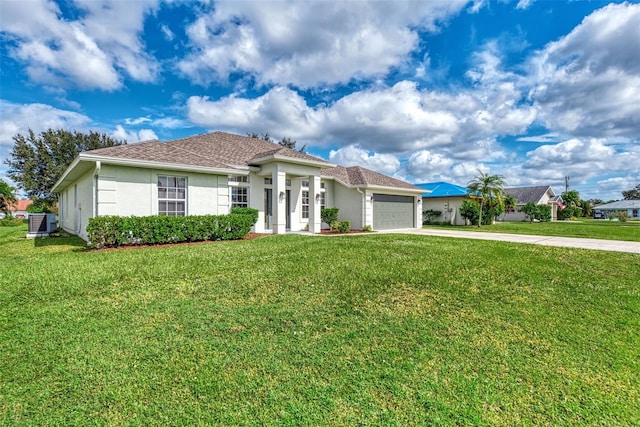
[(299, 330), (590, 228)]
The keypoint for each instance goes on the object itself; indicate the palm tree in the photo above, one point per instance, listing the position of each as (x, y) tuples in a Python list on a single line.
[(484, 186)]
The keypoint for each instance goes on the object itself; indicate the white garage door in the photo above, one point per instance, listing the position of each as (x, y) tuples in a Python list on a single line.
[(391, 211)]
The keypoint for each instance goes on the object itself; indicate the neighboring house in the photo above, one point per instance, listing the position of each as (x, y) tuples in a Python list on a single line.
[(211, 173), (541, 195), (446, 198), (19, 209), (631, 207)]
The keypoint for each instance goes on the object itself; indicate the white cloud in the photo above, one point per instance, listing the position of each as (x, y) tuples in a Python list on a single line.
[(166, 31), (90, 52), (587, 83), (524, 4), (581, 159), (133, 136), (397, 119), (19, 118), (355, 156), (309, 43), (425, 165)]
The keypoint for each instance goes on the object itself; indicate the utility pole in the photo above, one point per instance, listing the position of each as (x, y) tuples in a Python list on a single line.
[(566, 184)]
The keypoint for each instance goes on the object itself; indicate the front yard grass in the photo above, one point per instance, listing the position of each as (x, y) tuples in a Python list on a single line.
[(583, 227), (299, 330)]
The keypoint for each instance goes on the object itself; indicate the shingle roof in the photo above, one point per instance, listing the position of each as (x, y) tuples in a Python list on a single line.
[(216, 150), (443, 189), (620, 204), (524, 195), (20, 205), (356, 176), (225, 150)]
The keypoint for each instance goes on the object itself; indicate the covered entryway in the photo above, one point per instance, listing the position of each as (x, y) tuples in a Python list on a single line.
[(391, 211)]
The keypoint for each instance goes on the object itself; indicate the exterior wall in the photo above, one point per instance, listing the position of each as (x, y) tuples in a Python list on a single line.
[(349, 202), (77, 206), (449, 206), (126, 191), (515, 216)]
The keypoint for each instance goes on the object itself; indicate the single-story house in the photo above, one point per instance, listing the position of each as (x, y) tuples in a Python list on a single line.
[(446, 198), (540, 195), (213, 172), (631, 207), (19, 209)]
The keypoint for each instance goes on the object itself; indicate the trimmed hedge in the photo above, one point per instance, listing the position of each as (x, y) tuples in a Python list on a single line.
[(109, 231), (246, 211)]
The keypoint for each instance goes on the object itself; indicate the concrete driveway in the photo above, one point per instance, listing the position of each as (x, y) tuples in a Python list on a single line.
[(567, 242)]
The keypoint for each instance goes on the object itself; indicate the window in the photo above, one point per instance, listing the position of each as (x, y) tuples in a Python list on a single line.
[(239, 178), (268, 181), (239, 197), (323, 200), (305, 184), (305, 204), (172, 195)]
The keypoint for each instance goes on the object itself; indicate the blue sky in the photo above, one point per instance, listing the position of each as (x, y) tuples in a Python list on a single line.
[(424, 91)]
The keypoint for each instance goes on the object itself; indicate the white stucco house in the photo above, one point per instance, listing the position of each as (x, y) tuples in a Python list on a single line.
[(213, 172), (446, 198), (631, 207), (540, 195)]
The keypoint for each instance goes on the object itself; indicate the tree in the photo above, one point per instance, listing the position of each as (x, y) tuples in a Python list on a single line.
[(633, 194), (7, 197), (486, 188), (537, 212), (285, 142), (530, 209), (572, 205), (469, 211), (38, 161)]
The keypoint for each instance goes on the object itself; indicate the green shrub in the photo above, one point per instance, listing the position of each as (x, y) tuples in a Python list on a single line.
[(329, 216), (108, 231), (621, 215), (470, 211), (246, 211), (429, 215), (367, 228), (343, 226)]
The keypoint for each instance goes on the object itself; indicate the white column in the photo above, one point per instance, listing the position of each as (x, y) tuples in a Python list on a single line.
[(314, 204), (279, 202)]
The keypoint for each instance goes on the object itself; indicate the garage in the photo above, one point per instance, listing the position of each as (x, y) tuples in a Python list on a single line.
[(391, 211)]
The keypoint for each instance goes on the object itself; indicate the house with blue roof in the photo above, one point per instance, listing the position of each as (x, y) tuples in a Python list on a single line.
[(445, 198)]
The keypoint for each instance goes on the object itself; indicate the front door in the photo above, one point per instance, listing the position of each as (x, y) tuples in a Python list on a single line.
[(268, 208), (288, 209)]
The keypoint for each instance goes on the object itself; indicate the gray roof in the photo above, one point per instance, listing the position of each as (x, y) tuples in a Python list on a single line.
[(221, 150), (524, 195), (215, 150), (357, 176), (620, 204)]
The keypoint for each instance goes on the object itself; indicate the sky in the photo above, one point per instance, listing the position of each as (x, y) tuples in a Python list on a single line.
[(438, 90)]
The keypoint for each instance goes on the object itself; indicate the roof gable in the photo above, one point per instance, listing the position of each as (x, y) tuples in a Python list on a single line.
[(357, 176), (524, 195)]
